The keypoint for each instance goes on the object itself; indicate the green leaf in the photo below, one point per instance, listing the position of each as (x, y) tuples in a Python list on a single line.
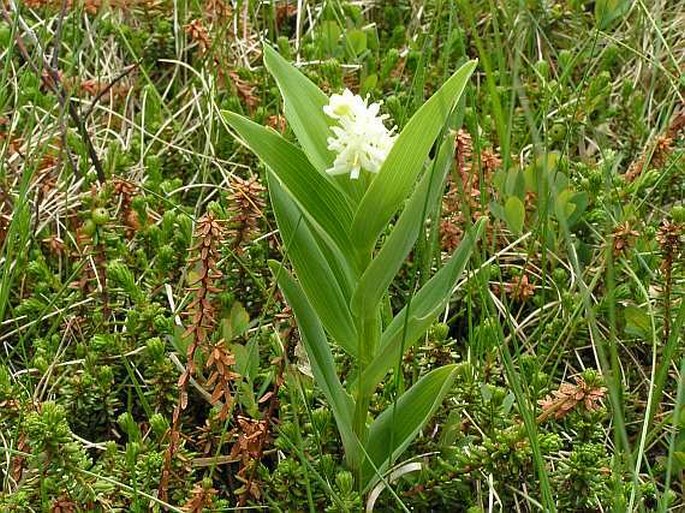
[(380, 273), (369, 84), (515, 183), (317, 196), (247, 358), (318, 280), (330, 35), (235, 324), (240, 319), (398, 425), (515, 214), (679, 460), (542, 167), (356, 41), (497, 210), (563, 205), (608, 11), (581, 201), (246, 396), (304, 104), (405, 161), (415, 318), (637, 322), (320, 358)]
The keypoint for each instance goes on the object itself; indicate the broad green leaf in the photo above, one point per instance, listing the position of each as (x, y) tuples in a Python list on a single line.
[(531, 177), (320, 357), (497, 210), (247, 358), (414, 319), (318, 197), (235, 323), (398, 425), (304, 104), (563, 205), (608, 11), (346, 277), (315, 274), (329, 36), (544, 166), (240, 319), (515, 214), (405, 161), (515, 183), (637, 322), (382, 270), (580, 200), (355, 40)]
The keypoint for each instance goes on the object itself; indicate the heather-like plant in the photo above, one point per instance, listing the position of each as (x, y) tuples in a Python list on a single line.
[(333, 198)]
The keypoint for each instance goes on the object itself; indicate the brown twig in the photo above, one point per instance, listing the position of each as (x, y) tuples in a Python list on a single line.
[(127, 71)]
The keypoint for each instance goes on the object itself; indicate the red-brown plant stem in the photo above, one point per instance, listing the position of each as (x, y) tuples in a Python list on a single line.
[(209, 234), (669, 238), (268, 421)]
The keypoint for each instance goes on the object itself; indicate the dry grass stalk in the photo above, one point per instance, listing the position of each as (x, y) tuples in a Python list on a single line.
[(126, 190), (277, 122), (463, 152), (520, 289), (451, 224), (220, 361), (670, 239), (244, 89), (199, 34), (254, 434), (91, 7), (248, 449), (95, 87), (63, 505)]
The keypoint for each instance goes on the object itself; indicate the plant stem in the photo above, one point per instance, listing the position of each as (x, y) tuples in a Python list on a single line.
[(369, 336)]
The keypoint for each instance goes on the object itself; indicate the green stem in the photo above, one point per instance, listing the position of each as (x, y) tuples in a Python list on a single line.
[(369, 337)]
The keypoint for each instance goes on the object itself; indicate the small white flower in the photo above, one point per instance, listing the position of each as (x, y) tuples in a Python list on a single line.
[(361, 139)]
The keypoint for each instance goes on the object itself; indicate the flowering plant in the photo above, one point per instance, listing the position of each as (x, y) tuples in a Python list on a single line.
[(330, 225)]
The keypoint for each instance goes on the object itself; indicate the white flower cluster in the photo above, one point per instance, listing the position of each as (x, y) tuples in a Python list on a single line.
[(361, 139)]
